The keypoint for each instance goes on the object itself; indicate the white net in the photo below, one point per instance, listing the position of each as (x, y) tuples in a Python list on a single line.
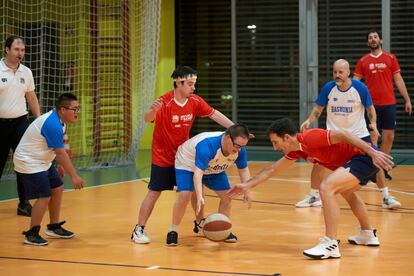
[(103, 51)]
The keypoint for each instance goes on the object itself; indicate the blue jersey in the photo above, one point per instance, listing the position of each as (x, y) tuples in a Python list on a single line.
[(204, 152), (345, 109), (35, 151)]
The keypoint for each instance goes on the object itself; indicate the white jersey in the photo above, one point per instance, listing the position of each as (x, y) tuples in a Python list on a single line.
[(204, 152), (345, 109), (35, 151), (13, 88)]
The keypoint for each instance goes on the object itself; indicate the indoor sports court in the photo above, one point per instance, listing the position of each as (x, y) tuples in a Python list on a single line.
[(256, 61)]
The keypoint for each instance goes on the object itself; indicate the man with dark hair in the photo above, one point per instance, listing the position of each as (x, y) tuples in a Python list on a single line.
[(353, 161), (173, 114), (40, 145), (379, 68), (203, 160), (16, 89)]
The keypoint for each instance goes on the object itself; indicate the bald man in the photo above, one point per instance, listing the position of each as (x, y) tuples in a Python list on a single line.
[(346, 101)]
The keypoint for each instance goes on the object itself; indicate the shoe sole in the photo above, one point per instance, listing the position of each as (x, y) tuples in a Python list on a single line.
[(391, 207), (171, 244), (140, 242), (53, 235), (313, 205), (320, 257), (22, 213), (355, 243), (36, 244)]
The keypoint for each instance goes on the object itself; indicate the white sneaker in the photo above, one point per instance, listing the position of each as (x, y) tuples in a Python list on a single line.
[(139, 236), (326, 248), (365, 237), (390, 203), (309, 201)]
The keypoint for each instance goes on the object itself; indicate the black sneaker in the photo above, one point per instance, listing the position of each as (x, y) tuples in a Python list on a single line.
[(172, 238), (231, 238), (55, 230), (24, 209), (32, 237), (387, 176), (198, 226)]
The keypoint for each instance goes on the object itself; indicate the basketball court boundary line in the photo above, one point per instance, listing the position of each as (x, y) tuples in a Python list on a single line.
[(135, 266)]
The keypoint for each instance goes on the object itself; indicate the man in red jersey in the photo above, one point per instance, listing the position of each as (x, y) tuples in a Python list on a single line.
[(353, 162), (173, 114), (379, 68)]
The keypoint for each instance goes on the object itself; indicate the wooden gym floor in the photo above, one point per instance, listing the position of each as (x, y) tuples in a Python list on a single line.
[(272, 234)]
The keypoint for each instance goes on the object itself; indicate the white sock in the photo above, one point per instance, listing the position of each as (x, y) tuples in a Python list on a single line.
[(174, 228), (314, 192), (384, 192)]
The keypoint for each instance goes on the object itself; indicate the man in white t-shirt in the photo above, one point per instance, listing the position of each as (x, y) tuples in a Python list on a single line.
[(16, 89), (40, 145), (203, 160)]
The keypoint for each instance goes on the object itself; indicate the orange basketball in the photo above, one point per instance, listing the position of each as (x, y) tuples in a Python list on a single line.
[(217, 227)]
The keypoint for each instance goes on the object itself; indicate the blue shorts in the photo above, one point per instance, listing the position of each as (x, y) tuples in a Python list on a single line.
[(215, 182), (386, 116), (38, 185), (361, 167), (162, 178)]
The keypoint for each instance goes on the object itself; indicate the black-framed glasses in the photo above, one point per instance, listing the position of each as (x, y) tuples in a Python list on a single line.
[(237, 146), (75, 109)]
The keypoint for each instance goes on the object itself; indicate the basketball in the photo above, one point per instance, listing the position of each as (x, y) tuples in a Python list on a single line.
[(217, 227)]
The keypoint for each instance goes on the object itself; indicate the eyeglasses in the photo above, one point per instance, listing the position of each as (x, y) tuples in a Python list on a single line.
[(237, 146), (75, 109)]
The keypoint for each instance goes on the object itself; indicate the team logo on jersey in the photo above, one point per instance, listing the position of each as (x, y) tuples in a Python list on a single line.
[(351, 101), (22, 80), (4, 79), (186, 118), (335, 99), (175, 119), (371, 66)]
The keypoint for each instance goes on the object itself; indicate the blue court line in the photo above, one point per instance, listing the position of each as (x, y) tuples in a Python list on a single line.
[(138, 266)]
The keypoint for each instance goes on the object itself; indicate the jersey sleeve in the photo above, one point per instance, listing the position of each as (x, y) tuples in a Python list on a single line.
[(203, 108), (315, 138), (53, 133), (322, 99), (30, 82), (241, 161), (395, 66), (363, 92), (203, 155), (358, 69)]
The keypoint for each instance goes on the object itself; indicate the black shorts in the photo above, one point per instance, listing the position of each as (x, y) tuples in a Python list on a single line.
[(362, 167), (38, 185), (162, 178)]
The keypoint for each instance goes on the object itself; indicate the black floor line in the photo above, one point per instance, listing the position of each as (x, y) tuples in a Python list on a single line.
[(137, 266)]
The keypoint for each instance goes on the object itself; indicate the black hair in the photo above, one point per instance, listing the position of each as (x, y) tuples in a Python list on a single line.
[(9, 41), (281, 127), (370, 31), (183, 72), (238, 130), (65, 99)]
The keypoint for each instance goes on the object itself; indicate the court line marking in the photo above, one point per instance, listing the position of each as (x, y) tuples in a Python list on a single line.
[(136, 266)]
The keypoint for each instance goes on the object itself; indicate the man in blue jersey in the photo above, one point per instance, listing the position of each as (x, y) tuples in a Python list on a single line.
[(40, 145), (203, 160), (346, 101)]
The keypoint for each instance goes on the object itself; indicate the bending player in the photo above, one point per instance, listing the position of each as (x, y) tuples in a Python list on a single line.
[(353, 163)]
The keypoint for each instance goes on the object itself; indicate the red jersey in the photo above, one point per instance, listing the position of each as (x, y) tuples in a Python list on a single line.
[(378, 73), (173, 123), (316, 147)]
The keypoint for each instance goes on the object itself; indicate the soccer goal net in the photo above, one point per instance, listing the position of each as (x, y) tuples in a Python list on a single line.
[(103, 51)]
